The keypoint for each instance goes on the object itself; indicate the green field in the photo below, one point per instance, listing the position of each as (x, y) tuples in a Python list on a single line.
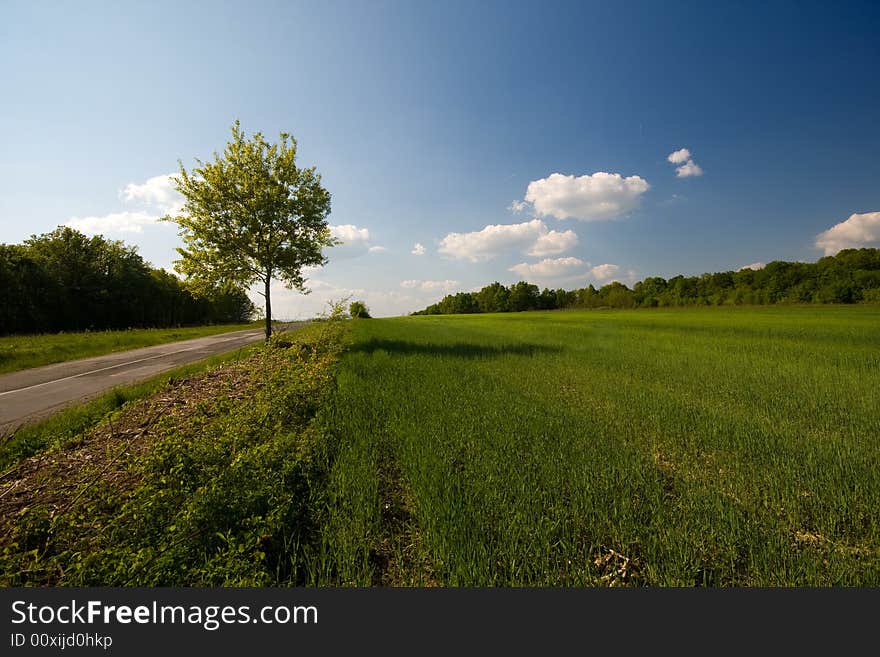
[(19, 352), (672, 447), (707, 447)]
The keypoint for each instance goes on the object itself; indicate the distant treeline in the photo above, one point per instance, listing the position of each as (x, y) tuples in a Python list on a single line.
[(852, 276), (65, 281)]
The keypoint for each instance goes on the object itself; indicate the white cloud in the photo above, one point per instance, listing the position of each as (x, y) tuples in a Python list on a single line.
[(350, 234), (549, 268), (588, 198), (860, 230), (560, 268), (430, 286), (115, 222), (679, 156), (754, 266), (157, 197), (530, 237), (605, 272), (377, 249), (553, 243), (418, 249), (157, 192), (355, 242), (688, 167), (517, 206)]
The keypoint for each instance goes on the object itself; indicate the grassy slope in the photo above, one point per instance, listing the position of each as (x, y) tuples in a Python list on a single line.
[(212, 480), (69, 423), (19, 352), (680, 447)]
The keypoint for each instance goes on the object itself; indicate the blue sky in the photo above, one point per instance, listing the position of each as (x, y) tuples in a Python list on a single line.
[(431, 123)]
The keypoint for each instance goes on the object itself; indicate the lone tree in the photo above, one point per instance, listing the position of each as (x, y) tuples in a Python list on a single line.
[(252, 216), (358, 310)]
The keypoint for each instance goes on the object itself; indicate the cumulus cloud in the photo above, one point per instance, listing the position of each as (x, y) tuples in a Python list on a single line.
[(754, 266), (355, 242), (115, 222), (553, 243), (679, 156), (418, 249), (351, 234), (530, 237), (562, 268), (156, 198), (688, 167), (157, 192), (549, 268), (430, 286), (589, 198), (860, 230), (517, 206), (603, 273)]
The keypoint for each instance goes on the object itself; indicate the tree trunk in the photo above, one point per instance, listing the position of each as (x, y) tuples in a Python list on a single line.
[(268, 311)]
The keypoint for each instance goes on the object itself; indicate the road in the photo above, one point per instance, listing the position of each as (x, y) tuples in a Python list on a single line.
[(33, 394)]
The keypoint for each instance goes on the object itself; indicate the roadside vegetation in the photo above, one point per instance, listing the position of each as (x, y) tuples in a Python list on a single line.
[(20, 352), (214, 479), (67, 425)]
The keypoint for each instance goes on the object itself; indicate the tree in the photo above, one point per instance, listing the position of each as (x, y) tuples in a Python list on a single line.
[(493, 298), (523, 296), (252, 216), (359, 310)]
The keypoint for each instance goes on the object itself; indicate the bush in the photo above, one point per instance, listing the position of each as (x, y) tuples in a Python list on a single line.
[(359, 310)]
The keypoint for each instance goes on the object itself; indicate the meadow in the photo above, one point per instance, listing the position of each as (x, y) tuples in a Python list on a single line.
[(19, 352), (708, 447)]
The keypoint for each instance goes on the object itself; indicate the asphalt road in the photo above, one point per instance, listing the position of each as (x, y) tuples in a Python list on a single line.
[(33, 394)]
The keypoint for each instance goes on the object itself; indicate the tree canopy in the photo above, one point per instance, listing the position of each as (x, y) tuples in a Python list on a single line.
[(66, 281), (358, 310), (852, 276), (252, 216)]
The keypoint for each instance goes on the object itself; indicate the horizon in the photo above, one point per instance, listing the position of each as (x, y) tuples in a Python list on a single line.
[(574, 145)]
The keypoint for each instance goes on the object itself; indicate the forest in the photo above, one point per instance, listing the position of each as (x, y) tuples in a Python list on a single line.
[(66, 281), (851, 276)]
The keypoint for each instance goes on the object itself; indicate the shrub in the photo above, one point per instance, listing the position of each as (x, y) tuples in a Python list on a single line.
[(359, 310)]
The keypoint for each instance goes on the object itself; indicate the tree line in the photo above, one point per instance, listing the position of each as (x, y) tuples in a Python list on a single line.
[(66, 281), (851, 276)]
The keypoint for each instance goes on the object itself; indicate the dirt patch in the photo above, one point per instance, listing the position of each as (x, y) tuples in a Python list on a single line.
[(815, 540), (616, 569), (398, 557)]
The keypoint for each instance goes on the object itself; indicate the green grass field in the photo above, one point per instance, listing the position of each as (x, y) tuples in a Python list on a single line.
[(19, 352), (673, 447), (707, 447)]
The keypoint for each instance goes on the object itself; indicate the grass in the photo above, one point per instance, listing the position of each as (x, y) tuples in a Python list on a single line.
[(20, 352), (709, 447)]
